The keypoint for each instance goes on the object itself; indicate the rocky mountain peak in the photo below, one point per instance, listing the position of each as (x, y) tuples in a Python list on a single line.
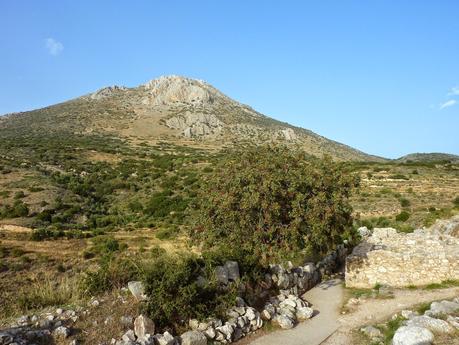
[(173, 89)]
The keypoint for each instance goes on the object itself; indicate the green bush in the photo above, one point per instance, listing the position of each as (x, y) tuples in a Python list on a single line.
[(113, 272), (106, 245), (19, 195), (135, 206), (175, 295), (18, 209), (273, 203), (402, 216), (162, 204), (41, 234), (456, 201), (405, 202)]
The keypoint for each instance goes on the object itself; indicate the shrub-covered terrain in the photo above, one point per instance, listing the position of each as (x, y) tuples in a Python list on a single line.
[(94, 212)]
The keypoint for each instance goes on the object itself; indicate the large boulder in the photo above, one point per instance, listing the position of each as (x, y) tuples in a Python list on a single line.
[(193, 338), (442, 308), (412, 335), (432, 324)]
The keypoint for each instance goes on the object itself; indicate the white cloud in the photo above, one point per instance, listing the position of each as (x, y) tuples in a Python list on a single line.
[(447, 104), (54, 47), (454, 91)]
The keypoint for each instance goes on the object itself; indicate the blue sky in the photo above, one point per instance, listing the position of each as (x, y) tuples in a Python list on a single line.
[(381, 76)]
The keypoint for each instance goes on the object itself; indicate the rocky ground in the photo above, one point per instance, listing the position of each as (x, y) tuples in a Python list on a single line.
[(414, 328), (382, 313)]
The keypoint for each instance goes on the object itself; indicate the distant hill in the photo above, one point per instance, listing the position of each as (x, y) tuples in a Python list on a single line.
[(171, 109), (428, 157)]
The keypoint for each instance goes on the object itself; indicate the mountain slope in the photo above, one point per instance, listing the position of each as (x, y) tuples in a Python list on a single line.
[(428, 157), (173, 109)]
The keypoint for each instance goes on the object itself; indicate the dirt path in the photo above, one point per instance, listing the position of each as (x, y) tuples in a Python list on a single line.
[(376, 310), (326, 299), (329, 327)]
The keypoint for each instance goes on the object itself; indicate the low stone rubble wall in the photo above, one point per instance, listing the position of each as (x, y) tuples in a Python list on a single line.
[(403, 259), (285, 309)]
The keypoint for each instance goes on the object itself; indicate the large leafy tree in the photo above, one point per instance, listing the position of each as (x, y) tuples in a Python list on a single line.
[(273, 203)]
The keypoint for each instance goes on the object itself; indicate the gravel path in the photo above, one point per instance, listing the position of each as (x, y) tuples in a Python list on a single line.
[(329, 327), (326, 299)]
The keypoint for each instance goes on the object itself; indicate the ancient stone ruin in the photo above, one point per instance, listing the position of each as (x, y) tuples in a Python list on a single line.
[(403, 259)]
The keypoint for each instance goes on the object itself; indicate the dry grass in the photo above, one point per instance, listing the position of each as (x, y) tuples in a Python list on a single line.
[(46, 291), (42, 291)]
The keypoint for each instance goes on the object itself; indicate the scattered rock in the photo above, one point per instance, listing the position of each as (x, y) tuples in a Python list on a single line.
[(138, 290), (221, 272), (442, 308), (143, 326), (434, 325), (165, 339), (364, 232), (371, 332), (62, 332), (128, 336), (412, 335), (193, 338), (233, 270)]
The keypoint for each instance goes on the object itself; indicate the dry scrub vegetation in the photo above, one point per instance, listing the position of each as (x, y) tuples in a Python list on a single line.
[(63, 212)]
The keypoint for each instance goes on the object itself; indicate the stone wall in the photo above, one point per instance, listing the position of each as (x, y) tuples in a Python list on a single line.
[(399, 259), (285, 309)]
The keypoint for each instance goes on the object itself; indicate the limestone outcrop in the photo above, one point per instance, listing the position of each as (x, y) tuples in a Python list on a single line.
[(175, 89), (195, 124)]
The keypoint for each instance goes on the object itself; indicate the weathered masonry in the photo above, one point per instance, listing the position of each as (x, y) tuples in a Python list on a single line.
[(398, 259)]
